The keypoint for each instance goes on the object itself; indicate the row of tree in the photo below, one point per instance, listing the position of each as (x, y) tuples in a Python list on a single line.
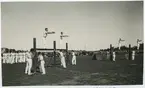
[(122, 48), (7, 50)]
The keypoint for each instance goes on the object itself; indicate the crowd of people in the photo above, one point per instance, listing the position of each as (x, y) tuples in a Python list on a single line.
[(112, 56), (28, 57), (41, 61), (13, 57)]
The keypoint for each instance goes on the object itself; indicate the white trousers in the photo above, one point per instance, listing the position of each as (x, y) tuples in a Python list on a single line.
[(28, 66), (114, 58), (16, 59), (63, 62), (24, 59), (44, 42), (133, 57), (4, 60), (12, 60), (42, 67), (119, 45), (138, 46), (74, 60), (20, 59)]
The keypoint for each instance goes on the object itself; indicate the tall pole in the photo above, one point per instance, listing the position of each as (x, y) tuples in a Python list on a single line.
[(34, 44), (67, 57), (111, 52), (54, 47), (129, 52)]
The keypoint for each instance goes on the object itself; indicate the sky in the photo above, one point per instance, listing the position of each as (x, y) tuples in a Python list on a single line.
[(90, 25)]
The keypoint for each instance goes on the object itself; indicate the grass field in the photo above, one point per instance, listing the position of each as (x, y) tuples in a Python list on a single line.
[(86, 72)]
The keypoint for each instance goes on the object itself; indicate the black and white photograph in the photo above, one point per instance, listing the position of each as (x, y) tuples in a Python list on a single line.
[(72, 43)]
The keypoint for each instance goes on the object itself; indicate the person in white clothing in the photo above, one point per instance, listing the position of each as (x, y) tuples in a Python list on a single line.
[(8, 57), (24, 57), (73, 58), (62, 59), (28, 63), (12, 58), (15, 57), (133, 55), (18, 57), (114, 56), (4, 58), (45, 35), (42, 63)]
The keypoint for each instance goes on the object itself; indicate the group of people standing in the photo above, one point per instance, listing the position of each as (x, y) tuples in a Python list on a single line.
[(41, 61), (62, 58), (14, 57), (29, 63), (107, 55)]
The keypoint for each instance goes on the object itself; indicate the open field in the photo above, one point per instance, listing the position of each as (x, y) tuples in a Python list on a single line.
[(86, 72)]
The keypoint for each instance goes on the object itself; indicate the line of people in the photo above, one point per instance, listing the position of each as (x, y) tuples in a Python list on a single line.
[(11, 58), (107, 54)]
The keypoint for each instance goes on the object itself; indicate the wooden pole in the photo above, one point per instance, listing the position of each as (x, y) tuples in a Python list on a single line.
[(129, 52), (34, 44), (111, 52), (54, 47), (67, 57)]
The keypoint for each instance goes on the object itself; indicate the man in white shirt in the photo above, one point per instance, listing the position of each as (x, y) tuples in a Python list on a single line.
[(28, 63), (62, 59), (8, 57), (16, 57), (4, 57), (12, 58), (114, 56), (133, 55), (45, 35), (42, 63), (73, 58)]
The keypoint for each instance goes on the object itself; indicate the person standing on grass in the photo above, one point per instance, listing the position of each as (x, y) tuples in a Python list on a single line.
[(114, 56), (62, 59), (28, 63), (133, 55), (42, 63), (108, 55), (73, 58), (20, 57), (24, 60), (3, 58), (16, 57), (8, 57), (12, 58)]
